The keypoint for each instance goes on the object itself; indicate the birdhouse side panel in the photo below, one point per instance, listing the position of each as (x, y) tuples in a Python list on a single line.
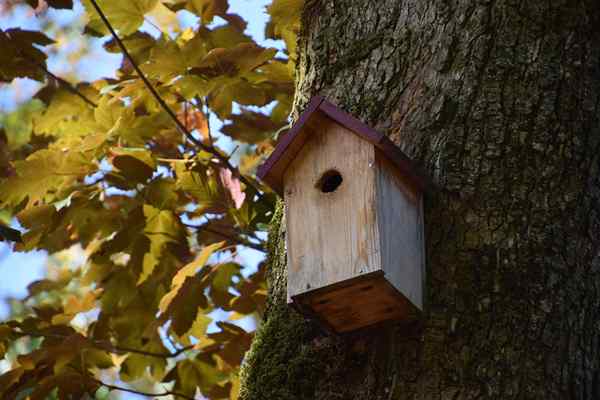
[(400, 219), (332, 234)]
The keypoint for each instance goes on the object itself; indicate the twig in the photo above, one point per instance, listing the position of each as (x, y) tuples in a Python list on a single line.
[(119, 349), (61, 81), (107, 346), (238, 239), (148, 394), (208, 148)]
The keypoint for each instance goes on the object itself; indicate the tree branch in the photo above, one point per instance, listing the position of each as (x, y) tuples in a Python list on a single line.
[(240, 240), (107, 346), (208, 148), (119, 349), (148, 394), (67, 85)]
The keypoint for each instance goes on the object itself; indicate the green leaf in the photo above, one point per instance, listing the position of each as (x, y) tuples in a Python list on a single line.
[(66, 116), (198, 328), (125, 16), (162, 227), (19, 123)]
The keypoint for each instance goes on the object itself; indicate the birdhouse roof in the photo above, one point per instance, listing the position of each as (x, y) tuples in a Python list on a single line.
[(288, 147)]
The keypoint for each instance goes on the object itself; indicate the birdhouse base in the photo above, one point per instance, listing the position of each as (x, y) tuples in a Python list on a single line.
[(355, 303)]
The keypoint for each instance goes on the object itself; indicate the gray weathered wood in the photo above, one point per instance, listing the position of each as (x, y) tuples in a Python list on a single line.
[(400, 222), (331, 236)]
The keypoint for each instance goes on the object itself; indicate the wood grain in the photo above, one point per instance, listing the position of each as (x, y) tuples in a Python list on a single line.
[(331, 236), (400, 221), (356, 303)]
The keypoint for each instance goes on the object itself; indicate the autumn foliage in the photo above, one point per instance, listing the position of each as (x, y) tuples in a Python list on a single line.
[(130, 170)]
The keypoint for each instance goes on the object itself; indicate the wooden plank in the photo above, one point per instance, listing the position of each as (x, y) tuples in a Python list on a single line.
[(356, 303), (400, 221), (333, 236)]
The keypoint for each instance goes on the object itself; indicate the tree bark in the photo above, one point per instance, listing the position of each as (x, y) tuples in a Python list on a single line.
[(498, 101)]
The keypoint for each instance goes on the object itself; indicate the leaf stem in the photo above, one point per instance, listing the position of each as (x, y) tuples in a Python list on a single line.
[(68, 86)]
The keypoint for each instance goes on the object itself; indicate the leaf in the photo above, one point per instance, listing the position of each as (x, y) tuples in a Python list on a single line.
[(233, 187), (250, 127), (194, 120), (188, 302), (76, 304), (285, 22), (66, 115), (162, 227), (138, 44), (136, 365), (215, 230), (166, 62), (19, 57), (243, 57), (207, 9), (18, 125), (42, 172), (202, 187), (240, 91), (125, 16), (198, 328), (64, 4), (187, 271), (137, 164), (9, 234)]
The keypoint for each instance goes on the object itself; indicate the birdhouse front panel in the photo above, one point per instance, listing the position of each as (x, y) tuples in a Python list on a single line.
[(330, 203)]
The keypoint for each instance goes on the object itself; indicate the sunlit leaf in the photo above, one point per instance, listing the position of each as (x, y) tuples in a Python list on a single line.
[(126, 16)]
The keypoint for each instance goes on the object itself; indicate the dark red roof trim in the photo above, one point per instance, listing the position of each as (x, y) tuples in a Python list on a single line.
[(379, 140)]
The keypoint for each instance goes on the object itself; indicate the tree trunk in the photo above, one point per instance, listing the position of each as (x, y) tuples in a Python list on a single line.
[(498, 101)]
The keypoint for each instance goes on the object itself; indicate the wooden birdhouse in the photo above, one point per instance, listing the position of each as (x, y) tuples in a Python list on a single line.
[(354, 220)]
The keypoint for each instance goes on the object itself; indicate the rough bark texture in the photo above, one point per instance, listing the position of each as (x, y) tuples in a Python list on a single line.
[(498, 100)]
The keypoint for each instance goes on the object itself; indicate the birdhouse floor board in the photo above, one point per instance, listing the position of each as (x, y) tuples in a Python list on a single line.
[(356, 303)]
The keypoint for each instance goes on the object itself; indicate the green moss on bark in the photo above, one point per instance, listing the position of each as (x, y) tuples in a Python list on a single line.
[(282, 362)]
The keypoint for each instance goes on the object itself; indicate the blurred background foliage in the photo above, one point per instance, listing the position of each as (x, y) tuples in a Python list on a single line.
[(130, 133)]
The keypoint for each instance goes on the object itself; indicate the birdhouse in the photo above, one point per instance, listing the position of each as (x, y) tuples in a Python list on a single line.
[(354, 220)]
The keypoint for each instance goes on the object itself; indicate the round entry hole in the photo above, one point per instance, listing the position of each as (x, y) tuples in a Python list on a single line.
[(330, 181)]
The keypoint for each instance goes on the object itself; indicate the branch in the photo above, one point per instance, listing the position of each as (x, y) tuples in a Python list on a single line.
[(60, 80), (107, 346), (119, 349), (124, 389), (237, 239), (208, 148)]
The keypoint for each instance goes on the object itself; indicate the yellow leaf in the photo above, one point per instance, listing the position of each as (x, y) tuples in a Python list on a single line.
[(150, 262), (188, 270), (75, 304), (207, 9), (125, 16), (191, 268), (198, 329)]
